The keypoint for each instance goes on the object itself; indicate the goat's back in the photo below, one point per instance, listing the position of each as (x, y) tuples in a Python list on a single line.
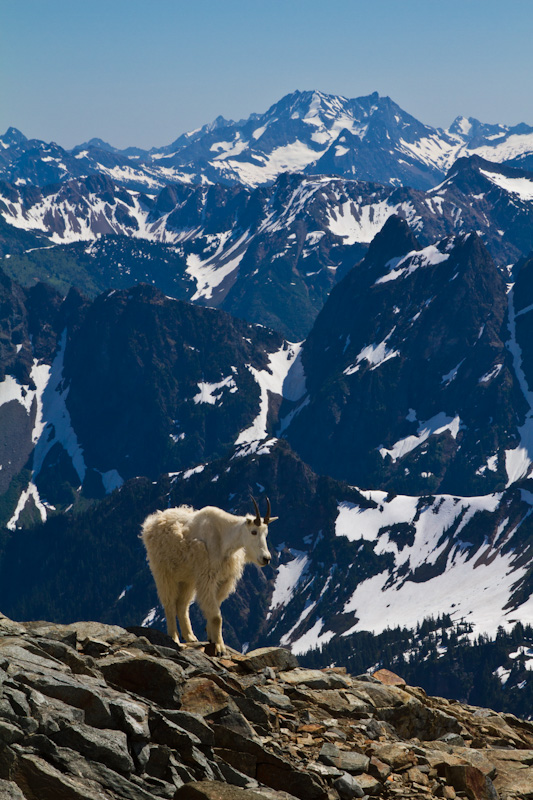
[(165, 536), (170, 521)]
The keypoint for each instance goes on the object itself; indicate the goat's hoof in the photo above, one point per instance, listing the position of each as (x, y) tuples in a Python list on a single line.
[(213, 649)]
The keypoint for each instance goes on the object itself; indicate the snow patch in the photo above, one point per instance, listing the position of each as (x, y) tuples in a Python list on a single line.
[(402, 267), (312, 639), (211, 393), (434, 426), (375, 354), (388, 599), (283, 376), (287, 579)]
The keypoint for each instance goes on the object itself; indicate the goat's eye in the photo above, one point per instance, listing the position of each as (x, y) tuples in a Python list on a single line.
[(254, 533)]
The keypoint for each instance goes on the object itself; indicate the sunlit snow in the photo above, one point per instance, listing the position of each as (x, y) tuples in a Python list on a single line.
[(211, 393), (209, 273), (476, 589), (283, 376), (523, 187), (402, 267), (287, 578), (434, 426), (374, 354)]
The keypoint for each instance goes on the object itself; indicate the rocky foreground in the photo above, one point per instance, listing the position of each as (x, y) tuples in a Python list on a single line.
[(91, 711)]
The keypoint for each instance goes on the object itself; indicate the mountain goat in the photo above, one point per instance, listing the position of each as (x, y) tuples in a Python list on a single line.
[(202, 554)]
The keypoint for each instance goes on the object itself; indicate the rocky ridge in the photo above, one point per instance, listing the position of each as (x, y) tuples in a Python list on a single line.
[(369, 138), (90, 711)]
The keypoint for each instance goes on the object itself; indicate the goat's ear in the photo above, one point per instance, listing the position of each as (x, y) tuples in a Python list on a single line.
[(249, 521), (272, 519)]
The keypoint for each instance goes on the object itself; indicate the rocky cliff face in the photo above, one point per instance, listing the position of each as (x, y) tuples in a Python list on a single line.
[(412, 341), (90, 711)]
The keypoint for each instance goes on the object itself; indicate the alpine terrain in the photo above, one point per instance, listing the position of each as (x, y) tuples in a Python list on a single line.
[(329, 304)]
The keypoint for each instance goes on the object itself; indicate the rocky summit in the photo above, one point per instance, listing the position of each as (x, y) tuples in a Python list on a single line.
[(91, 711)]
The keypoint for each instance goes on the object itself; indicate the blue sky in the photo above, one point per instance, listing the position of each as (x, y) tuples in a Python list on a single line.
[(135, 72)]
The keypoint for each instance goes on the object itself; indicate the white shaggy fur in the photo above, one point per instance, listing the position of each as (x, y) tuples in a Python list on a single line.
[(200, 554)]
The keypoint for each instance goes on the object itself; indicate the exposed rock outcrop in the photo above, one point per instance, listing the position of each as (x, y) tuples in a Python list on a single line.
[(90, 711)]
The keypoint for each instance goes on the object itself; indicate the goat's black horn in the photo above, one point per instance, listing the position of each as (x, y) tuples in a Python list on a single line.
[(267, 515), (257, 520)]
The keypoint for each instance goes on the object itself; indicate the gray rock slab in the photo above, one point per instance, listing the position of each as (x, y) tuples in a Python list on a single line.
[(37, 778), (27, 656), (80, 691), (97, 630), (52, 713), (214, 790), (276, 657), (50, 630), (270, 697), (254, 711), (348, 787), (65, 654), (342, 703), (235, 721), (8, 627), (10, 733), (108, 747), (381, 696), (10, 791), (193, 723), (163, 731), (351, 761), (329, 754), (130, 716), (415, 719), (157, 680), (112, 784), (315, 679)]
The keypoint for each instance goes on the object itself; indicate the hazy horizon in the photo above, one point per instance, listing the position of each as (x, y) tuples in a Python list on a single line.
[(139, 74)]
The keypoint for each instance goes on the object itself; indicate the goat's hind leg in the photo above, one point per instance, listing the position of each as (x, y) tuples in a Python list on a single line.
[(168, 601), (184, 598), (211, 611)]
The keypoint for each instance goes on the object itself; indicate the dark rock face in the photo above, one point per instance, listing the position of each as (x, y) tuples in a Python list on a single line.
[(135, 383), (482, 187), (408, 373), (134, 364), (56, 743), (28, 329)]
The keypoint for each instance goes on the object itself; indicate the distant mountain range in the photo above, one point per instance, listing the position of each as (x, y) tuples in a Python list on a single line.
[(270, 255), (368, 138)]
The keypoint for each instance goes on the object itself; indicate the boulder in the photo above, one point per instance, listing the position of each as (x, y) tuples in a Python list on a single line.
[(109, 747), (204, 697), (276, 657), (213, 790), (388, 678), (470, 780), (153, 678)]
